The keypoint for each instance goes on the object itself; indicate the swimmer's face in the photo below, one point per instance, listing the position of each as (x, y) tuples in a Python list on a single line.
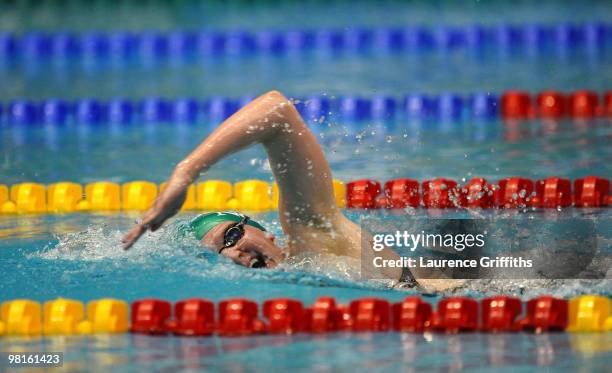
[(255, 249)]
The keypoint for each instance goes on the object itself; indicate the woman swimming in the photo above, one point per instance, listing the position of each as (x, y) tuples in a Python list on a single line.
[(307, 207)]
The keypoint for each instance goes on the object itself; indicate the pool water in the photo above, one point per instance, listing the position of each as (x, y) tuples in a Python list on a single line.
[(383, 352), (79, 256)]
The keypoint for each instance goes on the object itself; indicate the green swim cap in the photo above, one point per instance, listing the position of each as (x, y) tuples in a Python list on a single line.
[(202, 224)]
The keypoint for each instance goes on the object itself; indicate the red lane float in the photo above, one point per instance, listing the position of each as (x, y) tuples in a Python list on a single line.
[(239, 317), (193, 317), (150, 316), (552, 105), (346, 319), (544, 314), (411, 315), (370, 315), (553, 192), (284, 316), (516, 105), (441, 193), (323, 316), (400, 193), (455, 315), (591, 191), (479, 193), (499, 314), (583, 104), (607, 109), (514, 192), (362, 194)]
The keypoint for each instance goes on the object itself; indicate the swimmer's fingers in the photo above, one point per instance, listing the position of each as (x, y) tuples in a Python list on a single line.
[(165, 206), (140, 228), (133, 235)]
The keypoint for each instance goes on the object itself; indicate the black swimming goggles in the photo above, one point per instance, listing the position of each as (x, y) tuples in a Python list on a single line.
[(234, 233)]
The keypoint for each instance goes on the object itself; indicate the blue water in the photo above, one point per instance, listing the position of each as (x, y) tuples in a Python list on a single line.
[(311, 73), (78, 255)]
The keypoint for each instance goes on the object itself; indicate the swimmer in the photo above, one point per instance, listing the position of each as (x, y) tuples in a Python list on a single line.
[(307, 208)]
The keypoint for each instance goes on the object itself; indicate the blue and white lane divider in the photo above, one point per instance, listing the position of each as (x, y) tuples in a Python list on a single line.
[(160, 45)]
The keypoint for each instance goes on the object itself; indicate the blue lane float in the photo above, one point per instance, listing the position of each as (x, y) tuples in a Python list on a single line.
[(537, 37), (328, 39), (36, 45), (484, 106), (184, 110), (383, 107), (508, 36), (387, 39), (416, 39), (120, 111), (477, 37), (219, 108), (418, 106), (154, 110), (160, 45), (594, 35), (445, 38), (298, 40), (181, 43), (448, 107), (270, 41), (90, 111), (22, 112), (153, 45), (95, 45), (210, 43), (65, 45), (119, 45), (8, 45), (314, 107), (54, 111), (357, 39), (239, 43), (353, 108)]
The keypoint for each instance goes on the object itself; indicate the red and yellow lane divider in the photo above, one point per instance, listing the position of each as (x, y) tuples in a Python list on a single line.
[(238, 316), (258, 195)]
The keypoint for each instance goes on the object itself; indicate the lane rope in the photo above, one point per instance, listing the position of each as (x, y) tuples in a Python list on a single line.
[(445, 107), (259, 195)]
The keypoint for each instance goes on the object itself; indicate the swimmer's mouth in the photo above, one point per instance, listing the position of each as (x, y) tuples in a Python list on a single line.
[(258, 262)]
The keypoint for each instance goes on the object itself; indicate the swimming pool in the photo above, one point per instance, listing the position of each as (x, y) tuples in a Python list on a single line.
[(77, 255)]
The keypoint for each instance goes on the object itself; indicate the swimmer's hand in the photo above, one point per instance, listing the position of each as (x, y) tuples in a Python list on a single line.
[(167, 204)]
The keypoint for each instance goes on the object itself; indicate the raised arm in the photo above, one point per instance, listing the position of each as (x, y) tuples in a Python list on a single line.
[(296, 159)]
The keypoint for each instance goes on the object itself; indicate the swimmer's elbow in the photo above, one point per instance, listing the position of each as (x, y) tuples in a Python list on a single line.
[(280, 106), (275, 95), (279, 101)]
